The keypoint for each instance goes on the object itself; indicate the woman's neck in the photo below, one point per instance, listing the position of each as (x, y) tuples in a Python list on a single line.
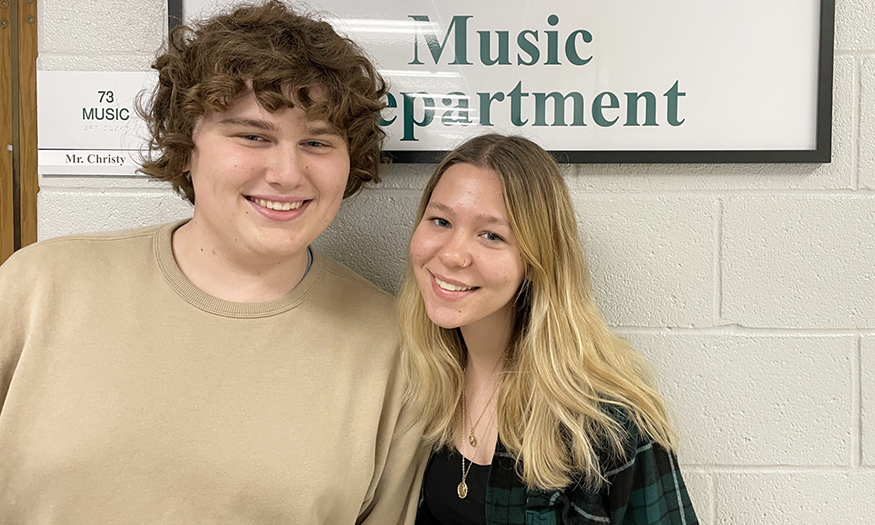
[(486, 344)]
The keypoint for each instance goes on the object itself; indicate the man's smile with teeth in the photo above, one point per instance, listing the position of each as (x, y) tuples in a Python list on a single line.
[(277, 206), (452, 287)]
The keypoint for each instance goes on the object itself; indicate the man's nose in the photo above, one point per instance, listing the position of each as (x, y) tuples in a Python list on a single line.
[(286, 167)]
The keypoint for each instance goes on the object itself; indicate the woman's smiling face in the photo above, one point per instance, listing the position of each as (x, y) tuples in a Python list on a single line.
[(464, 253)]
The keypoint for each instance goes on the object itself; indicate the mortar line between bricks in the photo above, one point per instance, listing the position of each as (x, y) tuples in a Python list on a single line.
[(58, 54), (856, 405), (718, 263), (740, 330), (108, 190), (856, 108), (606, 195), (774, 469), (712, 487), (741, 192)]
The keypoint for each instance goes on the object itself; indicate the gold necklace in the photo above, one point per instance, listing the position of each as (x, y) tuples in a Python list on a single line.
[(462, 487), (472, 439)]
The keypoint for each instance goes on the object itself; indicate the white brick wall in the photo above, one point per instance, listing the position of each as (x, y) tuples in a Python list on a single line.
[(651, 258), (750, 287), (867, 122), (797, 497), (745, 399), (867, 413), (799, 261)]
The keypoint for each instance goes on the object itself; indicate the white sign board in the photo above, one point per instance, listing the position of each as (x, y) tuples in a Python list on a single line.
[(591, 76), (87, 122)]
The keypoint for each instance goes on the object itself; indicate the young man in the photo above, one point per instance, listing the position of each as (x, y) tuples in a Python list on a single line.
[(217, 370)]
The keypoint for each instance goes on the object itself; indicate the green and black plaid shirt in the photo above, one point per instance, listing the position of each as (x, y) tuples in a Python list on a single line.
[(646, 489)]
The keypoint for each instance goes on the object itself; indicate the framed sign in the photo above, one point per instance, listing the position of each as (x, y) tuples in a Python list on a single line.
[(596, 81), (88, 125)]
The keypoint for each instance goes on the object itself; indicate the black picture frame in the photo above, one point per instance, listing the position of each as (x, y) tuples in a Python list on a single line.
[(822, 153)]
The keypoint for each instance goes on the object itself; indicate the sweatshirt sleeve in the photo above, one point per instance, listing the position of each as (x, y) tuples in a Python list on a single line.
[(394, 491), (14, 305)]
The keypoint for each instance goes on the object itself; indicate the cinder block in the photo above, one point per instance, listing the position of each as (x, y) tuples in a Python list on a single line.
[(66, 212), (855, 25), (54, 62), (96, 27), (867, 124), (92, 183), (798, 498), (699, 486), (405, 176), (867, 385), (371, 234), (799, 261), (651, 258), (756, 400), (622, 178)]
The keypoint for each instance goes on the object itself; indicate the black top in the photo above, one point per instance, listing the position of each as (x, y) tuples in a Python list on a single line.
[(441, 503), (644, 487)]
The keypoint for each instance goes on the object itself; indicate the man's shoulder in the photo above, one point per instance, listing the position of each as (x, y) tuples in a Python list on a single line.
[(81, 249), (356, 288), (348, 292), (71, 249), (75, 262)]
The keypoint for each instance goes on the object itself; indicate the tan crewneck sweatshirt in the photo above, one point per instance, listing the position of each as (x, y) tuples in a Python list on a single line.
[(128, 395)]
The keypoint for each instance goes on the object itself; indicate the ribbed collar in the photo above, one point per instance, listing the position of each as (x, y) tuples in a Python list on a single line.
[(206, 302)]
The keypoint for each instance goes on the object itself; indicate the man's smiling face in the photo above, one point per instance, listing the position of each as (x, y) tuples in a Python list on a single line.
[(266, 184)]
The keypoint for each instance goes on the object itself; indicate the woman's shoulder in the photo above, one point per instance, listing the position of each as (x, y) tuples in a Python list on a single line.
[(612, 456), (645, 481)]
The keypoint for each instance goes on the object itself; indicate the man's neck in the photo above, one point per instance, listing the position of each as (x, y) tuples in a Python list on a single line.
[(234, 277)]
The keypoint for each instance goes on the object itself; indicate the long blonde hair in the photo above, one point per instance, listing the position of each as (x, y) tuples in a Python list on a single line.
[(565, 372)]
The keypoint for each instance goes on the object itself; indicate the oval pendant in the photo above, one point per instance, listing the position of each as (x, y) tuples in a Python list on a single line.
[(472, 439), (462, 490)]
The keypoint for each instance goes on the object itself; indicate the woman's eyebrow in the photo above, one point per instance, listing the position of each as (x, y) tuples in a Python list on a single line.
[(482, 217)]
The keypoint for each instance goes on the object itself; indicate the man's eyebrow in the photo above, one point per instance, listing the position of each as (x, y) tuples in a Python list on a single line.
[(321, 128), (489, 219), (248, 122)]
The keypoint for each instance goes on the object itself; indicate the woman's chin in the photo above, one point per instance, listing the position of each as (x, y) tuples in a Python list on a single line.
[(445, 324), (445, 321)]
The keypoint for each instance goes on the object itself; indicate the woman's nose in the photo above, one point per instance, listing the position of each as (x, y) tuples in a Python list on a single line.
[(456, 253)]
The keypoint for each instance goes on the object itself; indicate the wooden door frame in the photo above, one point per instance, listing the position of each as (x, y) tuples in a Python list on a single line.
[(7, 186), (28, 24), (19, 179)]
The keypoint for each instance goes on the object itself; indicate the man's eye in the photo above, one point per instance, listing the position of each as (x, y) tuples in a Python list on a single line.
[(315, 144), (255, 138)]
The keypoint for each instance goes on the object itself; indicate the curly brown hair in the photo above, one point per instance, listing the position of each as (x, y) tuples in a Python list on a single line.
[(285, 59)]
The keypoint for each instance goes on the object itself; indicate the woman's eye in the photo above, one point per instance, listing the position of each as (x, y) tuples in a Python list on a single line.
[(492, 237), (440, 223)]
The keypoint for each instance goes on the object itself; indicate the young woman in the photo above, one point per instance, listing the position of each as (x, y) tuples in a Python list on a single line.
[(538, 414)]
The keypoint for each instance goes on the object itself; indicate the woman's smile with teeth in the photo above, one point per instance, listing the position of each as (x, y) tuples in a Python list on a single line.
[(452, 287), (278, 206)]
